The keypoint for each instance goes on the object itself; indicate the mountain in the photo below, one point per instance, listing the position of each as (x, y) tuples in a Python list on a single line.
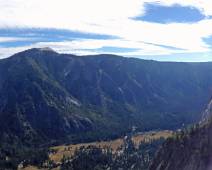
[(190, 149), (46, 97)]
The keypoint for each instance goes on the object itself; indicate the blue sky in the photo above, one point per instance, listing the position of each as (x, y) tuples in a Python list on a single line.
[(167, 14), (164, 30)]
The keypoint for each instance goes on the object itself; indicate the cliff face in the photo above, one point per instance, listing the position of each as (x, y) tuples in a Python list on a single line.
[(188, 150), (207, 114)]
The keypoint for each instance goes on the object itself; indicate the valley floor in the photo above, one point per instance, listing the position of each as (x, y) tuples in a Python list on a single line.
[(59, 152)]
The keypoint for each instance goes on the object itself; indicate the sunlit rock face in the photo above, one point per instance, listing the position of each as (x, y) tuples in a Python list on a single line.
[(207, 114)]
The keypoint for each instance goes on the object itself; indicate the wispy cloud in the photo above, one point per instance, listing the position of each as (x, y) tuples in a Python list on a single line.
[(13, 39), (108, 18)]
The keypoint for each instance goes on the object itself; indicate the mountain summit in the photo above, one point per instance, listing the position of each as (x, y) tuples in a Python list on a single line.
[(49, 97), (46, 49)]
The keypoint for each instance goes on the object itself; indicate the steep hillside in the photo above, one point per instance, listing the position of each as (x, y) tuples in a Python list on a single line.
[(189, 150), (47, 97), (207, 114)]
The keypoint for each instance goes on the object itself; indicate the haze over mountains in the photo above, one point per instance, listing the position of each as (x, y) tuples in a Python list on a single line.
[(46, 97)]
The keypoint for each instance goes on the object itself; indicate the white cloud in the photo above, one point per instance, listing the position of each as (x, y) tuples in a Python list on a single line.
[(111, 17), (13, 39), (88, 47), (66, 13)]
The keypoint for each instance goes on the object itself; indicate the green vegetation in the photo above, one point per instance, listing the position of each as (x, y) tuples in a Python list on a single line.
[(12, 157), (53, 98), (48, 98)]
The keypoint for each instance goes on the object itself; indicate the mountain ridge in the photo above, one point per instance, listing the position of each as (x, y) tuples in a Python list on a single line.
[(97, 97)]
